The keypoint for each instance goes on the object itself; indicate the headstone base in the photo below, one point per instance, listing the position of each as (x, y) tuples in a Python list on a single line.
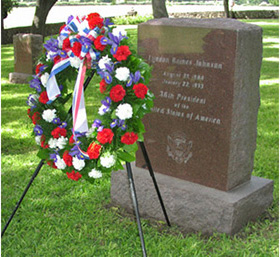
[(19, 78), (191, 206)]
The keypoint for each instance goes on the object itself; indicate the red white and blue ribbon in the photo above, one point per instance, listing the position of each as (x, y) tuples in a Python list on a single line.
[(52, 87), (79, 115)]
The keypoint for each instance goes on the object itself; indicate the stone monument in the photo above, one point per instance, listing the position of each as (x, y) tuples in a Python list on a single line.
[(201, 134), (27, 49)]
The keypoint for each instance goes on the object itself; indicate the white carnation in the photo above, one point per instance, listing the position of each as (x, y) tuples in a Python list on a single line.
[(50, 55), (104, 60), (122, 73), (60, 164), (95, 173), (90, 131), (61, 142), (107, 160), (52, 143), (78, 164), (75, 62), (124, 111), (44, 78), (116, 32), (38, 140), (49, 114), (101, 110)]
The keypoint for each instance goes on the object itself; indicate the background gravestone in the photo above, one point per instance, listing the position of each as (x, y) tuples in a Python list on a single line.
[(203, 125), (27, 49)]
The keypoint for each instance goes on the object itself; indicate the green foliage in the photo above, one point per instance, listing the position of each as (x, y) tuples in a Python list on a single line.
[(274, 2), (60, 217), (7, 6), (129, 20)]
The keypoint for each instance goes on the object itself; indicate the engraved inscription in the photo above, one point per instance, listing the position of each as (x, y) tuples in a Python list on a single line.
[(191, 84)]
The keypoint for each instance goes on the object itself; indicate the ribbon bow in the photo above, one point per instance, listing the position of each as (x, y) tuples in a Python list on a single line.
[(85, 37)]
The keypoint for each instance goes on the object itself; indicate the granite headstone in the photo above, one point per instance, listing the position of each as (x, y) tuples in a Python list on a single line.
[(206, 82), (27, 49)]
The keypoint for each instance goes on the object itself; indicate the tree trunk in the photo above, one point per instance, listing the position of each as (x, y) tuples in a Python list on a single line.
[(226, 8), (159, 9), (42, 10), (3, 31)]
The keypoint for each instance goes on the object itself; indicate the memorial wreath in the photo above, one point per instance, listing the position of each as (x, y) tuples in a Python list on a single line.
[(85, 45)]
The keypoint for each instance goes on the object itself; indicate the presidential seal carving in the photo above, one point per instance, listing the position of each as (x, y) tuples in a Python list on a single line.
[(179, 147)]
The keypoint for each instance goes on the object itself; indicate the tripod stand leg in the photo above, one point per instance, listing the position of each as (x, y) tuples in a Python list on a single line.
[(23, 195), (135, 205), (39, 166), (146, 157)]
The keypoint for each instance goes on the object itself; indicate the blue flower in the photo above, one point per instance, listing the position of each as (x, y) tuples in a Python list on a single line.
[(100, 128), (38, 130), (53, 156), (105, 75), (134, 78), (75, 151), (36, 84), (114, 123), (56, 121), (51, 45), (106, 103), (96, 123), (32, 100), (64, 125), (122, 125), (107, 22)]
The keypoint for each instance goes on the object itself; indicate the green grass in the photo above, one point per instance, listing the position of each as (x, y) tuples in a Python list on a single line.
[(60, 217)]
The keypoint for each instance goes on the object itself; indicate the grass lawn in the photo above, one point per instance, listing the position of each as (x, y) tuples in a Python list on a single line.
[(60, 217)]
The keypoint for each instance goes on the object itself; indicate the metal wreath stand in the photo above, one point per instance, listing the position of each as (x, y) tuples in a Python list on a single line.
[(130, 179)]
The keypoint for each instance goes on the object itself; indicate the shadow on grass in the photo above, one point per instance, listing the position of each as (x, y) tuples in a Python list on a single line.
[(271, 50), (16, 146), (269, 69)]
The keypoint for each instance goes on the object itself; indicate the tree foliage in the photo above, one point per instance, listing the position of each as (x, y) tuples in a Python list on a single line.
[(6, 7)]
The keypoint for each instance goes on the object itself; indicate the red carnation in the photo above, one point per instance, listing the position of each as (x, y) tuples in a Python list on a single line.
[(37, 70), (35, 117), (117, 93), (129, 138), (98, 44), (94, 20), (67, 158), (102, 86), (56, 59), (43, 97), (43, 142), (66, 45), (94, 150), (74, 175), (71, 140), (122, 53), (62, 27), (76, 49), (58, 132), (28, 113), (51, 164), (105, 136), (140, 90)]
